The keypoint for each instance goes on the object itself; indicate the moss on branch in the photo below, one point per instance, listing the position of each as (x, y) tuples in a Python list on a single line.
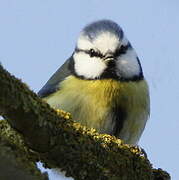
[(62, 143), (16, 161)]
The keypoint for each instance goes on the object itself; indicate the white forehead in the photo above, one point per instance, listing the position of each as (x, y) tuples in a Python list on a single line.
[(105, 42)]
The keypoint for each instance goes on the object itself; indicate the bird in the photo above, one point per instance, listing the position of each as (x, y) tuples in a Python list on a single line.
[(102, 83)]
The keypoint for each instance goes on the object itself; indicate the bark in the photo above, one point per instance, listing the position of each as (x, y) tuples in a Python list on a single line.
[(61, 143)]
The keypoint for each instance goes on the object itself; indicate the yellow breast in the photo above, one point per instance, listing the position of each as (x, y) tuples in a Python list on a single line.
[(90, 102)]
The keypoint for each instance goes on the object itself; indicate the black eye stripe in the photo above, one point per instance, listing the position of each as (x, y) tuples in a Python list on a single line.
[(122, 50), (94, 53), (91, 52)]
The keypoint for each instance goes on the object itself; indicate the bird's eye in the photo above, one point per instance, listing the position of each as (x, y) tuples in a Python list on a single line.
[(121, 50), (92, 53)]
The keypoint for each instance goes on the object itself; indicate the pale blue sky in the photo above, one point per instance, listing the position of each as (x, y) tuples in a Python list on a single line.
[(37, 36)]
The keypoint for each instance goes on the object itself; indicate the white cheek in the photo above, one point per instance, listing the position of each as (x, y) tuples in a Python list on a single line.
[(88, 67), (128, 65)]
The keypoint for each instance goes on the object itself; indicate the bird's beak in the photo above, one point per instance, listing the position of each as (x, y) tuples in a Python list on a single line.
[(108, 57)]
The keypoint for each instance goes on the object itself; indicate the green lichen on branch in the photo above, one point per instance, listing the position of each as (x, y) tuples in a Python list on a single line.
[(62, 143), (15, 139), (16, 161)]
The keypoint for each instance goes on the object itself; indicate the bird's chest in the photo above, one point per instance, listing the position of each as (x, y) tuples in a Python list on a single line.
[(92, 103), (89, 101)]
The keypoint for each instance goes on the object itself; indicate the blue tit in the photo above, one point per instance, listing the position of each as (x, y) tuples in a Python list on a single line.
[(102, 83)]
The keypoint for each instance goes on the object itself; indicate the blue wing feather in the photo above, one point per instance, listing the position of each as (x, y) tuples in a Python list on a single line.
[(52, 84)]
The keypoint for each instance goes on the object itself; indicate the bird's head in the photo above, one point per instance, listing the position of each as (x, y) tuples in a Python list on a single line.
[(103, 51)]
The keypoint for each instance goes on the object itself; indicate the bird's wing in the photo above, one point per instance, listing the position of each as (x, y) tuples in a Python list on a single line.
[(52, 84)]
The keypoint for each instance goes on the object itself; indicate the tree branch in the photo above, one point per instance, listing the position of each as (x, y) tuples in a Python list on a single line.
[(15, 161), (62, 143)]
